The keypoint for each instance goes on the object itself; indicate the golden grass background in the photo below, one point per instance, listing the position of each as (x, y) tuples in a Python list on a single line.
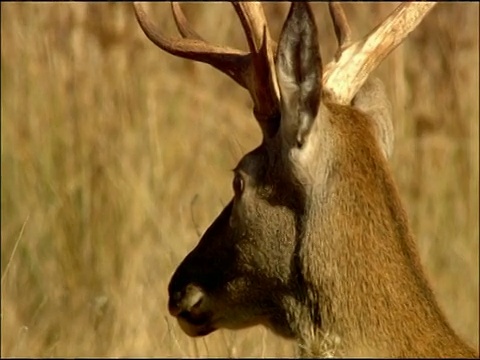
[(116, 156)]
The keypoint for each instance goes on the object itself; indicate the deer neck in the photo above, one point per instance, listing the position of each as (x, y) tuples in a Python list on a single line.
[(361, 269)]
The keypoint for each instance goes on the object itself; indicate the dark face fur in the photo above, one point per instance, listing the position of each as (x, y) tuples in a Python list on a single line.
[(243, 265)]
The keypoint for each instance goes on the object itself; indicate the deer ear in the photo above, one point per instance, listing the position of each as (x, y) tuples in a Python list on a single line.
[(299, 73), (372, 99)]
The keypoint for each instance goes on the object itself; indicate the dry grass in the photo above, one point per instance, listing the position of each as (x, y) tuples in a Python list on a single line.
[(115, 156)]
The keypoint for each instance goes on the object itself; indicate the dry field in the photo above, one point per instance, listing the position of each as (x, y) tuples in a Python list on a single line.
[(116, 156)]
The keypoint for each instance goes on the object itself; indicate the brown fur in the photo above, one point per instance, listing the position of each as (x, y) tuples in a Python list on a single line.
[(337, 268), (316, 244)]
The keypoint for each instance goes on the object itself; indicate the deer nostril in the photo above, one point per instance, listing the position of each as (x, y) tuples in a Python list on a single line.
[(174, 307), (186, 301)]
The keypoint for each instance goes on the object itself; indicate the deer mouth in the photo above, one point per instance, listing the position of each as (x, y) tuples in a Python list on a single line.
[(196, 325)]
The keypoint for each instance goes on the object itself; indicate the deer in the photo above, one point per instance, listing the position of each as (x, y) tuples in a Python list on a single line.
[(315, 243)]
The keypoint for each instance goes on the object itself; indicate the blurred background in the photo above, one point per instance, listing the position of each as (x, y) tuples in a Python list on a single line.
[(116, 156)]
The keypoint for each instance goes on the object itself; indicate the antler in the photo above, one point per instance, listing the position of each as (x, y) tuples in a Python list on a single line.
[(254, 70), (354, 62)]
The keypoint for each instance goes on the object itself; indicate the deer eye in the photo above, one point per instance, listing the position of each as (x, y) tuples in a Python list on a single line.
[(238, 184)]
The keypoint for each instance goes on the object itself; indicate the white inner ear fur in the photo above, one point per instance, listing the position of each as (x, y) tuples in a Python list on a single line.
[(309, 161)]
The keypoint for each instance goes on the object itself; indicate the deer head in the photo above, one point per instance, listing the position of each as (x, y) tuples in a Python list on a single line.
[(314, 244)]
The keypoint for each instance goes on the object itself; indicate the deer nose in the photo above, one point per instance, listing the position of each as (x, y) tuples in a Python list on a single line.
[(187, 300)]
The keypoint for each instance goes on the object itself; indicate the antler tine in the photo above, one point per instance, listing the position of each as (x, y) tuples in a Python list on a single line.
[(254, 23), (264, 85), (231, 62), (182, 24), (340, 24), (345, 76), (253, 70)]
